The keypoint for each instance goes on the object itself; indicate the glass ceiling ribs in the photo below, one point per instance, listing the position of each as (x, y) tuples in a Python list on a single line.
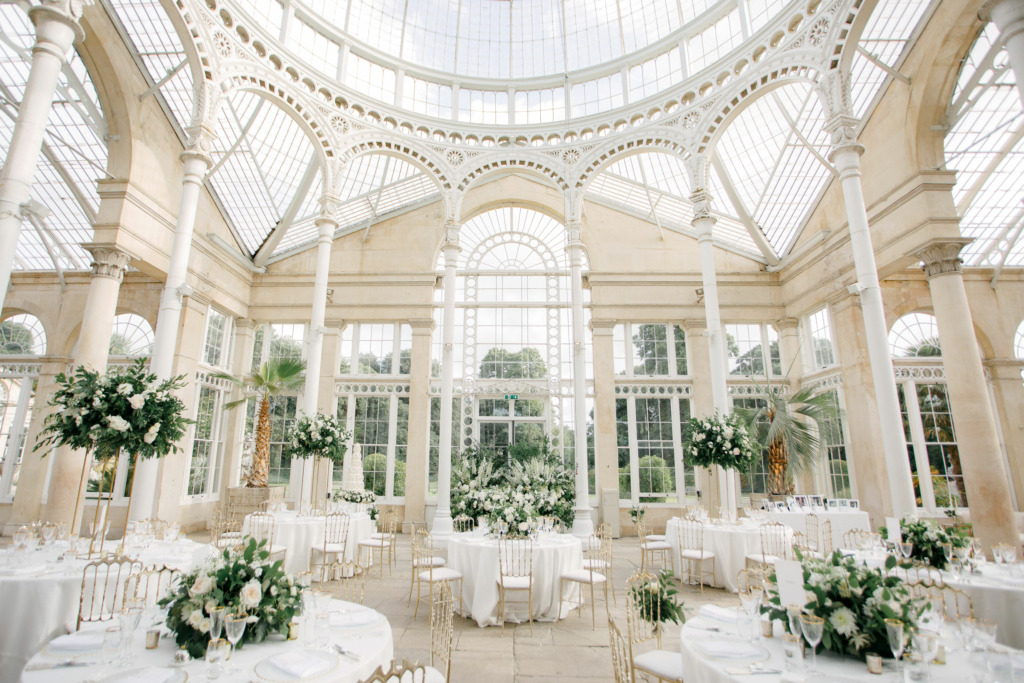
[(985, 146), (74, 153)]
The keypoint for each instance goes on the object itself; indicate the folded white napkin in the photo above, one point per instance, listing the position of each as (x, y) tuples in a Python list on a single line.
[(298, 663), (151, 674), (83, 641), (718, 613), (358, 618), (730, 649)]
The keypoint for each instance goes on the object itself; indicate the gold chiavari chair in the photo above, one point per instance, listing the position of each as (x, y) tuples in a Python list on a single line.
[(604, 535), (103, 588), (225, 531), (692, 554), (515, 573), (430, 573), (261, 528), (812, 533), (774, 545), (383, 541), (596, 554), (854, 539), (442, 628), (643, 624), (621, 661), (336, 526), (399, 673), (749, 578), (151, 585), (799, 542), (919, 573), (954, 603), (344, 580), (650, 547), (827, 547), (420, 560), (388, 518), (462, 524)]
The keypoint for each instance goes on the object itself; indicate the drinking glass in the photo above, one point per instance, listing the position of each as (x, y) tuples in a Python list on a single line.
[(906, 549), (897, 641), (794, 612), (217, 615), (813, 628), (216, 653), (49, 531), (999, 664), (129, 619), (111, 645), (750, 601), (793, 652), (947, 551), (234, 627), (926, 644), (984, 633), (323, 630)]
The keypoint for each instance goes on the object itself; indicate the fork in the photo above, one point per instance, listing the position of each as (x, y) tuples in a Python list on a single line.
[(347, 653)]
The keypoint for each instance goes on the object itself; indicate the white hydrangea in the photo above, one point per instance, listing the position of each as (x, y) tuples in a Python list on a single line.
[(118, 423)]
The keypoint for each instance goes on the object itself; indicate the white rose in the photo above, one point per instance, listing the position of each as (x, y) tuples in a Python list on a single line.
[(149, 438), (728, 432), (137, 401), (735, 451), (118, 423), (202, 586), (523, 526), (251, 594), (125, 389)]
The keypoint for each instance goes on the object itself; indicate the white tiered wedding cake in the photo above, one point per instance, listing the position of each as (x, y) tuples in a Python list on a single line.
[(352, 477)]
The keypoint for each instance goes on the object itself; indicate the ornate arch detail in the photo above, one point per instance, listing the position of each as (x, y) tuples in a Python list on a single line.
[(473, 259), (374, 143), (653, 141), (520, 161), (197, 40)]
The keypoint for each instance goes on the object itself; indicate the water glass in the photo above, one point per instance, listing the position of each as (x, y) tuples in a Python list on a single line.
[(111, 645), (896, 635), (216, 653), (793, 652), (813, 628), (217, 615), (999, 664), (323, 630), (915, 670), (906, 549)]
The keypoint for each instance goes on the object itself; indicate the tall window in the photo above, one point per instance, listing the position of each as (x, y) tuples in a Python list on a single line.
[(755, 479), (649, 350), (218, 334), (819, 327), (274, 341), (132, 336), (376, 349), (207, 441), (649, 436), (752, 348), (20, 335), (833, 438), (380, 425)]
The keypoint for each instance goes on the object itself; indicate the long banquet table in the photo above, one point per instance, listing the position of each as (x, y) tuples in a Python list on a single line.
[(842, 521), (476, 557)]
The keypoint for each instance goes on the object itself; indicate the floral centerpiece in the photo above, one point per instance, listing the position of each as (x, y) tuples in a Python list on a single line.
[(928, 537), (241, 581), (854, 601), (656, 600), (472, 478), (516, 508), (318, 436), (359, 497), (549, 483), (724, 442)]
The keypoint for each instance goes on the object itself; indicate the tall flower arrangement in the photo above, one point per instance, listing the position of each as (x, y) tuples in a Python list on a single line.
[(241, 581), (721, 441), (318, 436)]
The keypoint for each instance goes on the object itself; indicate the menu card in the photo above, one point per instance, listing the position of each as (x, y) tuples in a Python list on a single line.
[(895, 533), (789, 576)]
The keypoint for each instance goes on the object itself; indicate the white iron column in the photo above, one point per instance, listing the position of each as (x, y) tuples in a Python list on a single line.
[(314, 356), (108, 269), (1008, 15), (443, 514), (197, 163), (981, 458), (703, 223), (846, 156), (583, 523), (56, 29)]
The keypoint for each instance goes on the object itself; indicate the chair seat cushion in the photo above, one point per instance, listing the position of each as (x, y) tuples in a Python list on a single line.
[(584, 576), (762, 559), (688, 554), (440, 574), (657, 545), (655, 537), (595, 564), (429, 562), (662, 663), (434, 676), (515, 582), (375, 543), (330, 548)]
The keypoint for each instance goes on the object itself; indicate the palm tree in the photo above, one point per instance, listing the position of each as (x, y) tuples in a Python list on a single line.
[(774, 424), (274, 378)]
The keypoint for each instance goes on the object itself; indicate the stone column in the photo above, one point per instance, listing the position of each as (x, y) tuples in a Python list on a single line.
[(235, 431), (606, 445), (168, 321), (417, 453), (328, 398), (789, 350), (846, 156), (1009, 404), (442, 526), (29, 494), (67, 488), (56, 29), (702, 403), (985, 477), (583, 523), (703, 222), (1008, 15)]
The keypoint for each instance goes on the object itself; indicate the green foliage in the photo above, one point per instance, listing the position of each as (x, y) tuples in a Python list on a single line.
[(320, 435), (925, 348), (722, 441), (928, 537), (274, 378), (16, 339), (655, 477), (656, 601), (527, 363)]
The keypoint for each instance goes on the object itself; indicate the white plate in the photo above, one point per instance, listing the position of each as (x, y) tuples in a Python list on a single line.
[(266, 670)]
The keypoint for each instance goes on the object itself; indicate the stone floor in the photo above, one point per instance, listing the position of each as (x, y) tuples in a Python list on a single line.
[(569, 650)]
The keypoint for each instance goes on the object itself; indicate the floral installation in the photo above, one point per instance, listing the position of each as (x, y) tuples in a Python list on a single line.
[(853, 600), (547, 484), (517, 509), (125, 409), (241, 581), (550, 483), (715, 440), (359, 497), (928, 537), (637, 513), (656, 600), (317, 435)]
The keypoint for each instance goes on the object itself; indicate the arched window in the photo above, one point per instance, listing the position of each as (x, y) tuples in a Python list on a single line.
[(22, 335), (915, 335), (131, 337)]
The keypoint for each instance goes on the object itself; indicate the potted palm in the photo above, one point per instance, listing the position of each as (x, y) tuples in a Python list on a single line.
[(781, 425), (274, 378)]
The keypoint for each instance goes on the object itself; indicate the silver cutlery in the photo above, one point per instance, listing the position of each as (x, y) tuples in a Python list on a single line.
[(56, 665), (347, 653), (753, 669)]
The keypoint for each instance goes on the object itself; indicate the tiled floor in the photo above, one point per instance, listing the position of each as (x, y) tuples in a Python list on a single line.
[(569, 650)]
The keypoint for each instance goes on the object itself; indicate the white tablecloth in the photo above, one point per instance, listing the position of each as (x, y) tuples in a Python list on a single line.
[(373, 644), (702, 668), (842, 521), (998, 596), (183, 554), (299, 534), (731, 543), (476, 557)]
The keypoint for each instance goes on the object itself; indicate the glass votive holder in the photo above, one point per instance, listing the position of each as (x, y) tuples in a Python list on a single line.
[(874, 662), (152, 639), (793, 652), (914, 668), (767, 628), (111, 644)]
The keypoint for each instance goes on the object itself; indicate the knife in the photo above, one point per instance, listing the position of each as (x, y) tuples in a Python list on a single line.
[(58, 665), (752, 670)]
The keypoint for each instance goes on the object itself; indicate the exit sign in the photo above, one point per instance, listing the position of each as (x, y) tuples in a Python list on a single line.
[(511, 397)]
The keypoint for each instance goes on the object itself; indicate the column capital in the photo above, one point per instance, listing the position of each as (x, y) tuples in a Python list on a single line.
[(1008, 15), (602, 325), (58, 13), (942, 256), (574, 232), (703, 222), (336, 324), (245, 324), (424, 326), (109, 260), (325, 226), (452, 206), (843, 130), (787, 324), (1004, 368), (199, 145), (696, 325)]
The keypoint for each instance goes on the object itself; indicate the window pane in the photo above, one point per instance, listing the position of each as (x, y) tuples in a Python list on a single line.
[(372, 430), (654, 449), (680, 340), (650, 349)]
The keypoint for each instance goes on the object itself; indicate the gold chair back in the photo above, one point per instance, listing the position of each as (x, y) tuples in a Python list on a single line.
[(442, 628), (640, 602), (515, 556), (622, 662), (691, 535), (812, 532), (774, 540), (103, 588), (345, 580), (151, 585), (462, 524), (855, 538), (749, 578), (261, 527), (399, 673), (336, 525), (827, 547)]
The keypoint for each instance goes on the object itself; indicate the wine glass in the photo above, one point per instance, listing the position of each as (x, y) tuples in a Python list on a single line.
[(750, 601), (217, 615), (906, 549), (234, 627), (897, 641), (794, 612), (947, 552), (926, 642), (129, 619), (216, 653), (813, 628), (49, 531)]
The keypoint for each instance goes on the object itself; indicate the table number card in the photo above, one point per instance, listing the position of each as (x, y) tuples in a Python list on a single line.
[(893, 526), (789, 576)]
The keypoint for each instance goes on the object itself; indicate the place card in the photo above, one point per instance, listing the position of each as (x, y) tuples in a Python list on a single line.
[(789, 576), (893, 526)]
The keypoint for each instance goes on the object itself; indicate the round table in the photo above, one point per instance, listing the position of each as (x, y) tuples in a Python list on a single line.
[(842, 522), (370, 641), (300, 533), (731, 543), (183, 554), (476, 558), (997, 595)]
